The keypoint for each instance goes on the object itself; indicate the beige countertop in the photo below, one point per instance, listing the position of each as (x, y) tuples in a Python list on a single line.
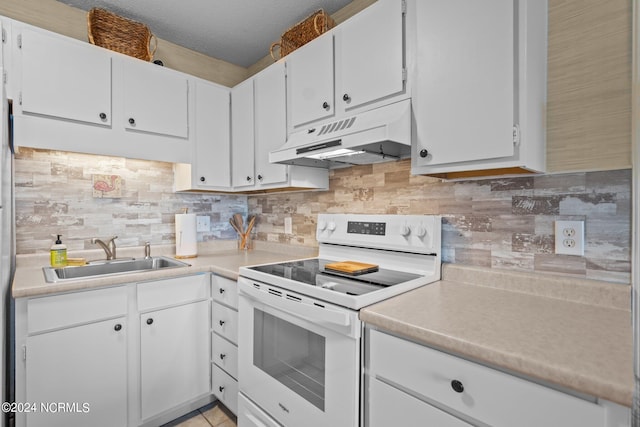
[(221, 258), (574, 333)]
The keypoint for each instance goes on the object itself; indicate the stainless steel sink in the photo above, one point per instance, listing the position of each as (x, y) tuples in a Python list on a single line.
[(109, 268)]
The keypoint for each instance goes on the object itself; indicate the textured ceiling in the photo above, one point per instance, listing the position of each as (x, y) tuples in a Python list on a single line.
[(236, 31)]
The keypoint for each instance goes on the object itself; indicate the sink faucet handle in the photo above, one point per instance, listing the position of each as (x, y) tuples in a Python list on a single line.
[(147, 250)]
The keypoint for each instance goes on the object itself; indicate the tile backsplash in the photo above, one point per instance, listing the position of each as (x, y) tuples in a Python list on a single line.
[(501, 223), (54, 195)]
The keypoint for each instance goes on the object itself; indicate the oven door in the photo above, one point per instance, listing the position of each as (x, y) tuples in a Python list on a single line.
[(298, 361)]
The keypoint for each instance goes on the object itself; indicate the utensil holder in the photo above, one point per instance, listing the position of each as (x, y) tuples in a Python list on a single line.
[(245, 242)]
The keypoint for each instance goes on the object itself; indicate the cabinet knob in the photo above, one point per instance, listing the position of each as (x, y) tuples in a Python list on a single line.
[(149, 321), (222, 356), (221, 290), (325, 105), (202, 179), (103, 116), (260, 177), (117, 327), (248, 178), (457, 386), (222, 322), (221, 388), (424, 153), (346, 97), (132, 121)]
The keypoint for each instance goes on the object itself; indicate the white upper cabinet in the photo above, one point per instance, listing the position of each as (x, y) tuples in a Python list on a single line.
[(64, 78), (210, 167), (371, 55), (155, 99), (365, 54), (242, 136), (311, 83), (270, 123), (479, 90)]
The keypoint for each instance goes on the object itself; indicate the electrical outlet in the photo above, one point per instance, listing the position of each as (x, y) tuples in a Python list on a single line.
[(570, 237), (203, 223), (288, 225)]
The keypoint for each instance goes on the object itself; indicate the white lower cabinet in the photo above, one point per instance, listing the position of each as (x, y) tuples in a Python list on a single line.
[(174, 353), (129, 355), (82, 366), (422, 386), (249, 415), (224, 341)]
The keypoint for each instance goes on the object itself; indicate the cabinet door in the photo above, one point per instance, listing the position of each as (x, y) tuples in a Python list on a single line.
[(155, 99), (212, 157), (80, 365), (242, 135), (310, 80), (464, 104), (371, 54), (174, 351), (270, 122), (65, 78)]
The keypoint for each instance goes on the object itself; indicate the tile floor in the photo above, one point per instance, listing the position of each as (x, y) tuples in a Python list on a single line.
[(213, 415)]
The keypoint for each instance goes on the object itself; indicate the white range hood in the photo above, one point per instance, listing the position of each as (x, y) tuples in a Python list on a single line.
[(374, 136)]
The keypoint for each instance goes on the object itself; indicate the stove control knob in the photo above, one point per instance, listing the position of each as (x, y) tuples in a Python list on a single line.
[(322, 225), (331, 226), (405, 230), (420, 231)]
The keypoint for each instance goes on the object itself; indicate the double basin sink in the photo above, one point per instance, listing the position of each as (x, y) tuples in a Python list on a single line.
[(110, 268)]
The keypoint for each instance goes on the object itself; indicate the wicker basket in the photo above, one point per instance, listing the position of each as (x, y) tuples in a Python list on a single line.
[(302, 33), (120, 34)]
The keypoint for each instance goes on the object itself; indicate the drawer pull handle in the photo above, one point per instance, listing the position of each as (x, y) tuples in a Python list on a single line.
[(222, 356), (222, 290), (149, 321), (222, 322), (457, 386), (221, 388), (117, 327)]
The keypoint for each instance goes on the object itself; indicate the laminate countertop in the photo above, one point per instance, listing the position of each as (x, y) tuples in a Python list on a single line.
[(221, 258), (574, 333)]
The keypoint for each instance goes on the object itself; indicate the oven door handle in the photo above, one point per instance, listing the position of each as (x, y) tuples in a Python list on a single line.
[(299, 309)]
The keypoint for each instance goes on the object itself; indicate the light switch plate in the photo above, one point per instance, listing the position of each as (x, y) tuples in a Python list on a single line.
[(569, 237), (203, 223)]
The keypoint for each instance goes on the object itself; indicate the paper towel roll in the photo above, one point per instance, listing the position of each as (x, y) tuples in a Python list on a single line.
[(186, 237)]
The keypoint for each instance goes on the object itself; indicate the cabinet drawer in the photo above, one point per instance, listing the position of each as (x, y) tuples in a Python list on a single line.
[(225, 389), (407, 410), (225, 322), (225, 355), (59, 311), (488, 395), (251, 416), (175, 291), (225, 291)]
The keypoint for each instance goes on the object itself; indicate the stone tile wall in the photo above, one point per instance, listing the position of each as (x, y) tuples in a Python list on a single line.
[(501, 223), (54, 195)]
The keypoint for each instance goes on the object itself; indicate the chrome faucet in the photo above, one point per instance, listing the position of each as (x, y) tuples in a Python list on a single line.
[(109, 247), (147, 250)]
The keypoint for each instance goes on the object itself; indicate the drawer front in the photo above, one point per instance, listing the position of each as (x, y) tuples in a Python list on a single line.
[(178, 290), (225, 291), (488, 395), (388, 406), (225, 389), (225, 355), (76, 308), (225, 322), (250, 415)]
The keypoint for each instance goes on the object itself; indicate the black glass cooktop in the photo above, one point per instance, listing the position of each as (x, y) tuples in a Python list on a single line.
[(312, 272)]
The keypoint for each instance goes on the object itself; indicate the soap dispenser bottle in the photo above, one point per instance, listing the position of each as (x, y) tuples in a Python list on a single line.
[(58, 253)]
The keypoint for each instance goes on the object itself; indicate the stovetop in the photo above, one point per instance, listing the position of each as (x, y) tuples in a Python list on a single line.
[(312, 272)]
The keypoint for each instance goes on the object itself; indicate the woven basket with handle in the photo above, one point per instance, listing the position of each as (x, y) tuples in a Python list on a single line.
[(114, 32), (302, 33)]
